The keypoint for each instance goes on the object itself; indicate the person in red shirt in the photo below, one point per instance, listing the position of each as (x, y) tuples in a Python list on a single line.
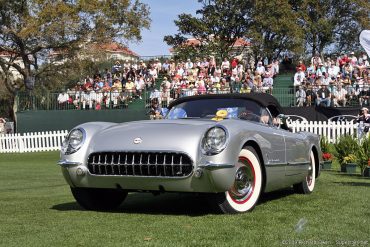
[(234, 63), (301, 66), (344, 60)]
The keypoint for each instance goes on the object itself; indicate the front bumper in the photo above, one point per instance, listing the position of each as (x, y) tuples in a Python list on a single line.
[(207, 177)]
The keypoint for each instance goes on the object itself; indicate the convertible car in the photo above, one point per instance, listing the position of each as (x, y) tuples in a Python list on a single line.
[(230, 148)]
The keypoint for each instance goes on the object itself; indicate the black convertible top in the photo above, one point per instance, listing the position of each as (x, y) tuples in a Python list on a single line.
[(263, 99)]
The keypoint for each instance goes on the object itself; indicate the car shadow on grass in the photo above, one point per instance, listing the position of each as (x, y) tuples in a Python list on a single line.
[(147, 203), (170, 203), (275, 195)]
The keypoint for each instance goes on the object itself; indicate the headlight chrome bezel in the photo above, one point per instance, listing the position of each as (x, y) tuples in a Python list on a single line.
[(70, 148), (215, 150)]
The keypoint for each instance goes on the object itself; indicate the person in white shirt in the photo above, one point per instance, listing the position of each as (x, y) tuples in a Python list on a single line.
[(325, 79), (340, 96), (362, 119), (300, 96), (140, 85), (63, 99), (188, 64), (225, 65), (260, 68), (298, 77), (153, 72), (353, 59)]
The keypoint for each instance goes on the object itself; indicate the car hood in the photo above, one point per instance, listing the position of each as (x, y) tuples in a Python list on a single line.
[(161, 135)]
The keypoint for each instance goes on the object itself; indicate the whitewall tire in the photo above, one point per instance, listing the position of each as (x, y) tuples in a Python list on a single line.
[(247, 187), (308, 185)]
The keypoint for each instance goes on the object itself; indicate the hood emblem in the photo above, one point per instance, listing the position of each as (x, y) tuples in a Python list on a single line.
[(138, 140)]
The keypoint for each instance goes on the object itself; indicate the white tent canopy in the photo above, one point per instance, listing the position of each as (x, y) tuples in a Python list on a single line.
[(365, 41)]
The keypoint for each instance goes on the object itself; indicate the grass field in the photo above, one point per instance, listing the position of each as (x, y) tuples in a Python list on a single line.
[(37, 209)]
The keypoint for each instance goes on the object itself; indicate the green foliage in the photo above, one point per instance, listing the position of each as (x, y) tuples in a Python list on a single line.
[(30, 30), (363, 153), (332, 22), (274, 27), (324, 144), (275, 32), (345, 146), (220, 24)]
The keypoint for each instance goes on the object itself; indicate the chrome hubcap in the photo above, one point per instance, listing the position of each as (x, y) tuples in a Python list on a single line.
[(243, 184), (309, 176)]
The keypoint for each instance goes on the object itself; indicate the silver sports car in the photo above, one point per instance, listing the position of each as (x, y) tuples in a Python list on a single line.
[(230, 147)]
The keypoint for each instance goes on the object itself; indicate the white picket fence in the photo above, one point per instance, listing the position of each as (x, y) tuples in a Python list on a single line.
[(52, 140), (32, 142), (331, 130)]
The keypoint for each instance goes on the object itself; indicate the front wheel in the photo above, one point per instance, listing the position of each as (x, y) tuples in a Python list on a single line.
[(308, 185), (99, 199), (246, 189)]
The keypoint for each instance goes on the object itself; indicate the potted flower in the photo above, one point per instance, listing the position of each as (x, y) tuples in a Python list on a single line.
[(350, 163), (346, 145), (328, 158), (326, 155)]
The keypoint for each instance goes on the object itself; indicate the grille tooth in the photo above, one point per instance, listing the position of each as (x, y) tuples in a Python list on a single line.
[(147, 164)]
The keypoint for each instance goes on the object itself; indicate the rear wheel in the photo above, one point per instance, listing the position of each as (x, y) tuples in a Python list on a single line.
[(308, 185), (99, 199), (246, 189)]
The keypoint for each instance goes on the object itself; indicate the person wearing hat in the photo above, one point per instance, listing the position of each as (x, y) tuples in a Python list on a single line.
[(323, 95), (320, 70), (363, 120), (300, 96), (353, 59), (260, 68), (116, 67), (301, 65), (340, 96), (130, 88)]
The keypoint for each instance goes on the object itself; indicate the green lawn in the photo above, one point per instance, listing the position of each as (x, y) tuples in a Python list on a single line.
[(37, 209)]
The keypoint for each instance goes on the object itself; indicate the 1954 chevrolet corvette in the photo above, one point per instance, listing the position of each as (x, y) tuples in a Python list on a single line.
[(230, 147)]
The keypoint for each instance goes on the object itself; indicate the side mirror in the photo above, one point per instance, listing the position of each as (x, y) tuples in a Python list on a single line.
[(283, 122)]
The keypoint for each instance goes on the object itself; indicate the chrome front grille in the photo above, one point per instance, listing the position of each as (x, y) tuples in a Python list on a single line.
[(147, 164)]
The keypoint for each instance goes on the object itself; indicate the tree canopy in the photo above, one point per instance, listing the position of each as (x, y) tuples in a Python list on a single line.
[(301, 27), (219, 25), (30, 29), (332, 24)]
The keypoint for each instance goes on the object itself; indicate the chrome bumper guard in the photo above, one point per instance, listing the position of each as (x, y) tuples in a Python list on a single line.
[(212, 166), (66, 163)]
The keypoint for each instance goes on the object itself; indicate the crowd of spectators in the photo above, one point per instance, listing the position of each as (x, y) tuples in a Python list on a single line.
[(334, 81), (121, 84), (204, 76), (113, 88)]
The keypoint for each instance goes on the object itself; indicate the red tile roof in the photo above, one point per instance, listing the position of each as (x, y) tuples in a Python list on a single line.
[(108, 47), (194, 42), (116, 48)]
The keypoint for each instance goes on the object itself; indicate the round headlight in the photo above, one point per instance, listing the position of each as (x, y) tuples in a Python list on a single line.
[(75, 138), (73, 141), (214, 141)]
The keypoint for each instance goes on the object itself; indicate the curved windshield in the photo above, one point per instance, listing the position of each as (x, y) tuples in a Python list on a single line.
[(207, 108)]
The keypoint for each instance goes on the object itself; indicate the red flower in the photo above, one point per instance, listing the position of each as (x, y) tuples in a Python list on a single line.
[(327, 156)]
